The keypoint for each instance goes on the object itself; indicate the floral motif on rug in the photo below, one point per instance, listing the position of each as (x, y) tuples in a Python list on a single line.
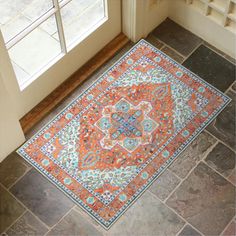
[(106, 147)]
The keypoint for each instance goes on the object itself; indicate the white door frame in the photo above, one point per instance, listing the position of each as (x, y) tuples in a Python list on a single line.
[(140, 17)]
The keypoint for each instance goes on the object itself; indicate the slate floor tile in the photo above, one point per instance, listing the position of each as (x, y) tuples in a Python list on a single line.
[(177, 37), (10, 209), (222, 159), (232, 178), (74, 224), (154, 41), (212, 67), (27, 225), (148, 216), (230, 229), (42, 197), (234, 86), (192, 154), (171, 53), (220, 52), (189, 231), (223, 127), (11, 168), (88, 218), (206, 200), (164, 184)]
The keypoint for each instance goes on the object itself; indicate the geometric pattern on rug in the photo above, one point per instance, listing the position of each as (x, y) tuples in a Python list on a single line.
[(108, 145)]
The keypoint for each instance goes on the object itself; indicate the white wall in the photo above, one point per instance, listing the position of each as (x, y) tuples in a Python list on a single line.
[(11, 135), (147, 16), (203, 26)]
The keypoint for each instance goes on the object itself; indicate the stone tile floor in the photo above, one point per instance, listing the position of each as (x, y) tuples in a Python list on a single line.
[(194, 196)]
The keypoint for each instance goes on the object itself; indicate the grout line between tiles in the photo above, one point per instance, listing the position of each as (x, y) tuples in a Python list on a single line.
[(175, 212), (190, 54), (85, 217), (28, 169), (15, 221), (67, 213), (174, 50), (166, 45), (181, 229), (218, 53), (162, 47), (229, 88), (164, 202), (183, 179), (221, 234), (217, 172), (48, 227), (172, 172), (220, 140)]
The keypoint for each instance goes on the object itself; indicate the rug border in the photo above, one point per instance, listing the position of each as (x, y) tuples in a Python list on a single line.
[(160, 170)]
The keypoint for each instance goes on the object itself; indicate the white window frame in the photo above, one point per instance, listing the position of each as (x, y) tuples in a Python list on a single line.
[(54, 11)]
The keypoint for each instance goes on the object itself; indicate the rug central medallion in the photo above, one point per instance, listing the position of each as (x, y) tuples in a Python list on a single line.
[(106, 147), (126, 125)]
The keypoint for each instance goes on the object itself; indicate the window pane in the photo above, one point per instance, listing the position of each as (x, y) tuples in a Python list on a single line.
[(33, 52), (16, 15), (79, 16)]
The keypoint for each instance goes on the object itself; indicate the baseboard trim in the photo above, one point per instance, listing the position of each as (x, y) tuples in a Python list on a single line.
[(69, 85)]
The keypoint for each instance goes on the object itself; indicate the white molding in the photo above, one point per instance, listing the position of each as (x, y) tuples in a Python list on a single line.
[(11, 134), (140, 17), (129, 20), (203, 26)]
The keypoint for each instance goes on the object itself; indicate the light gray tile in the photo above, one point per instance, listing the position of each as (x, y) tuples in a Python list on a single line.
[(230, 229), (189, 231), (164, 185), (205, 199), (27, 225), (192, 155), (74, 224), (148, 216)]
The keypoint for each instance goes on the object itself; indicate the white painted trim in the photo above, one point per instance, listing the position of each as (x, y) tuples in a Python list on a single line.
[(60, 29), (64, 67), (140, 17), (203, 26), (11, 134), (129, 18)]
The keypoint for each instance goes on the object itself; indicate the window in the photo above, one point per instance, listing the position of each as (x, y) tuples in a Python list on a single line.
[(37, 33)]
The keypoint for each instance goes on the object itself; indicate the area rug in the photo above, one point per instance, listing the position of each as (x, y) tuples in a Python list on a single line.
[(107, 146)]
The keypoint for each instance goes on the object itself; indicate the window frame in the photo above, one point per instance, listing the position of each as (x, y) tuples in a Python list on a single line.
[(55, 11)]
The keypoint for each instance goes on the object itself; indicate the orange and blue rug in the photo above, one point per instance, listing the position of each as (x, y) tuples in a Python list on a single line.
[(106, 147)]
